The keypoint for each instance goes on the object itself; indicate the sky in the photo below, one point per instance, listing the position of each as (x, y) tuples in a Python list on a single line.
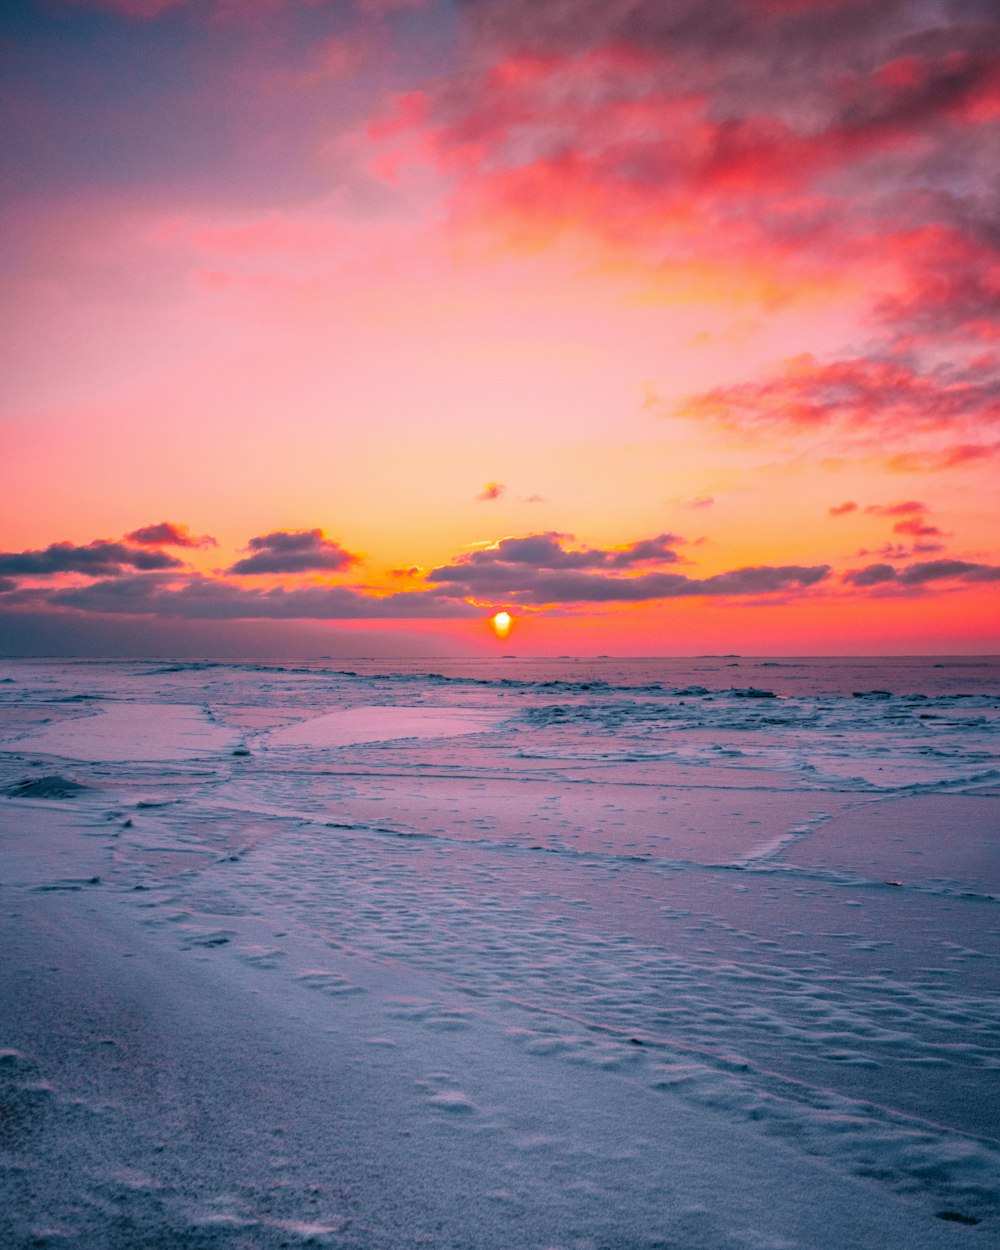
[(339, 326)]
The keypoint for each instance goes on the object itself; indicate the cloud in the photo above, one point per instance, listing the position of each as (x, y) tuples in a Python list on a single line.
[(950, 282), (294, 551), (380, 7), (549, 587), (862, 393), (97, 559), (938, 570), (492, 490), (204, 598), (643, 120), (902, 551), (766, 150), (842, 509), (547, 551), (915, 522), (917, 527), (872, 575), (540, 569), (923, 573), (656, 550), (906, 507), (167, 534), (946, 458), (702, 501), (132, 8)]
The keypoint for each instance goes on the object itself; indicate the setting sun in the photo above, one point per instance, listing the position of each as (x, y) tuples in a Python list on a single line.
[(501, 623)]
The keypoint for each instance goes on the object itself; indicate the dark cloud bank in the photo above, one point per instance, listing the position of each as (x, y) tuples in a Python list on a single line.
[(116, 598)]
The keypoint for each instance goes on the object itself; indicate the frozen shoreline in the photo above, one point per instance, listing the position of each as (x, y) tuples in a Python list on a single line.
[(574, 984)]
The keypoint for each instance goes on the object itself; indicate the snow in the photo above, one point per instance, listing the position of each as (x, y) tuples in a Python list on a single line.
[(380, 724), (298, 957)]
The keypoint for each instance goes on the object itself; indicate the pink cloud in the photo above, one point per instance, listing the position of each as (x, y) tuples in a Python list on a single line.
[(917, 527), (906, 507), (862, 392), (946, 458)]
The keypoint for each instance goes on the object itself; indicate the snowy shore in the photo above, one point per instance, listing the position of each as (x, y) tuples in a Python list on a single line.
[(298, 957)]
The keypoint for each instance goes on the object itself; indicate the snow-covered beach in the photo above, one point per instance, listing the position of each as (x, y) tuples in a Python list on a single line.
[(582, 954)]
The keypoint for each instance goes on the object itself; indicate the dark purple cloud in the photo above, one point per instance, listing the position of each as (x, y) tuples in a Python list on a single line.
[(204, 598), (540, 569), (167, 534), (294, 551), (97, 559), (938, 570), (873, 575), (658, 550), (922, 573), (547, 551), (552, 587)]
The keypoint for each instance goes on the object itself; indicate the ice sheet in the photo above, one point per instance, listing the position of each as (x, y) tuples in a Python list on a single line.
[(947, 840), (652, 970), (348, 726), (121, 732)]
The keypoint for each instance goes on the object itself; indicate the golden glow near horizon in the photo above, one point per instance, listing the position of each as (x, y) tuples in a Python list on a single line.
[(501, 624)]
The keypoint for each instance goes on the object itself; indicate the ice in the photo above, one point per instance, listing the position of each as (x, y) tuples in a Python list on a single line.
[(120, 732), (379, 724), (387, 959), (946, 840)]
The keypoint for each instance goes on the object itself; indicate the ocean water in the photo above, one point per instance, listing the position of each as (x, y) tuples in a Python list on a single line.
[(760, 893)]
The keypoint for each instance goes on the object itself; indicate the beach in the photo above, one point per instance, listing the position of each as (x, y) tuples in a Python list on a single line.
[(545, 955)]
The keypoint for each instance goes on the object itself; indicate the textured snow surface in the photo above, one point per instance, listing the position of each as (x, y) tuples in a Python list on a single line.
[(566, 956)]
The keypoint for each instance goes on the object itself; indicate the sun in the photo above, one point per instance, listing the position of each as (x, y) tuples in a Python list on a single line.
[(501, 623)]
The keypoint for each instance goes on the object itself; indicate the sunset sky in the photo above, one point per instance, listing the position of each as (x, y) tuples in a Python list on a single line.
[(337, 326)]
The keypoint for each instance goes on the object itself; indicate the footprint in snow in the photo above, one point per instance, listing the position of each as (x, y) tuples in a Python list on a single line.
[(328, 982)]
